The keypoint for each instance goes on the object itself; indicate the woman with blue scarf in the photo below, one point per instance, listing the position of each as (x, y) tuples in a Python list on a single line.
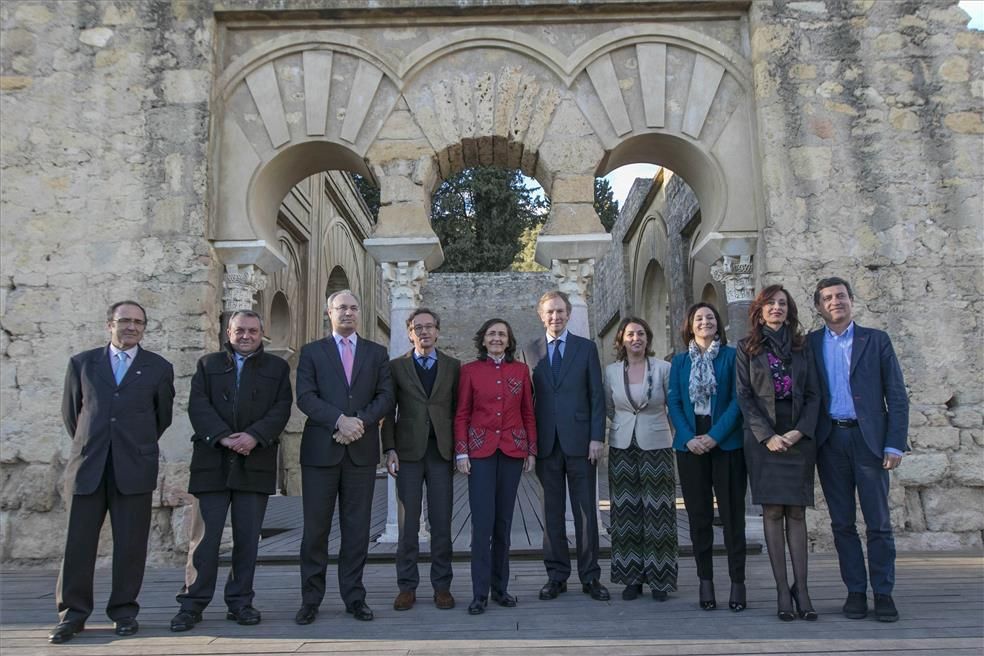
[(704, 412)]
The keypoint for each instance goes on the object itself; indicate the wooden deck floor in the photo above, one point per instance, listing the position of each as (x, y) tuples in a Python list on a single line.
[(940, 597), (283, 525)]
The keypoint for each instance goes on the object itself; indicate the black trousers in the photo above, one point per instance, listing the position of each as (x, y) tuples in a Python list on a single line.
[(434, 471), (558, 473), (720, 473), (129, 515), (202, 568), (492, 487), (352, 485)]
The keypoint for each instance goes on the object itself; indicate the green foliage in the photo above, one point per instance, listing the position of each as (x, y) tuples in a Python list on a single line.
[(525, 257), (480, 216), (605, 204), (370, 194)]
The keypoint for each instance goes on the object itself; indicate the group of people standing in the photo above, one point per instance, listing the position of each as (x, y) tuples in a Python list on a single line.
[(767, 412)]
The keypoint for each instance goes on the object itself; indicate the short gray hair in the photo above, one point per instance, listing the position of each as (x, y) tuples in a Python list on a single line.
[(246, 313), (339, 293)]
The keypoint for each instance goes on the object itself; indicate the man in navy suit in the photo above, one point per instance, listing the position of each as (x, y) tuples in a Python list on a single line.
[(117, 403), (569, 400), (344, 388), (861, 436)]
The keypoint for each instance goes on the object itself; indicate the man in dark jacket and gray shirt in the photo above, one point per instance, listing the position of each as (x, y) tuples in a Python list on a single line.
[(239, 404)]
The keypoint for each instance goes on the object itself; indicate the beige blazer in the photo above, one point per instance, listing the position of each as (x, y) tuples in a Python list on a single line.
[(650, 425)]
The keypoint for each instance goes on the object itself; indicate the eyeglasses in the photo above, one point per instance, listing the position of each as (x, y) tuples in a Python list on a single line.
[(424, 328), (139, 323)]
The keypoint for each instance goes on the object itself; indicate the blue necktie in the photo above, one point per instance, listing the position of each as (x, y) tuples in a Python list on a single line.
[(555, 360), (121, 366)]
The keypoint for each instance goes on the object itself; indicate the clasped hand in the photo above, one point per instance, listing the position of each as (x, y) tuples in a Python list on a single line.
[(241, 443), (701, 444), (781, 443), (348, 430)]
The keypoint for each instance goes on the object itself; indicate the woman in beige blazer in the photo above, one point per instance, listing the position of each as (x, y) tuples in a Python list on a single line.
[(640, 466)]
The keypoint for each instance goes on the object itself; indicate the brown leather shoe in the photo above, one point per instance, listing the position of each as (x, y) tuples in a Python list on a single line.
[(443, 599), (405, 600)]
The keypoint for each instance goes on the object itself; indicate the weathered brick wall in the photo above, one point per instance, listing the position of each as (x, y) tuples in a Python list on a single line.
[(870, 135), (105, 128)]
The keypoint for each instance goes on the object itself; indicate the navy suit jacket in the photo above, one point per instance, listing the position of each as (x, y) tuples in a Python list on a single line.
[(324, 395), (129, 417), (877, 387), (571, 409)]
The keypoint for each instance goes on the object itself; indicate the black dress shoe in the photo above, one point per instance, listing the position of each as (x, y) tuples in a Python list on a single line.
[(856, 606), (477, 606), (632, 592), (597, 591), (126, 626), (552, 589), (885, 610), (65, 631), (247, 616), (306, 614), (504, 599), (185, 620), (359, 610), (660, 595), (804, 613)]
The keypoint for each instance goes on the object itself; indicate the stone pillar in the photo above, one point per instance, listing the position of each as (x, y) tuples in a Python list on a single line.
[(405, 280), (574, 279), (739, 287)]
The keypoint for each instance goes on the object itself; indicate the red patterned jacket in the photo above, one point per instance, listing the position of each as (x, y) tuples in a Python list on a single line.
[(495, 410)]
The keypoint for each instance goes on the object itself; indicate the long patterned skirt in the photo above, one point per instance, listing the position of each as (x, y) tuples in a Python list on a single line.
[(643, 531)]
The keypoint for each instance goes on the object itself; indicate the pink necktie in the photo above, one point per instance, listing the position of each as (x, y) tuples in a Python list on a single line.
[(347, 359)]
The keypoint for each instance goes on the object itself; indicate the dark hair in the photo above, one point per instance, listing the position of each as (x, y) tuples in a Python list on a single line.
[(687, 331), (252, 314), (483, 353), (114, 306), (620, 347), (753, 343), (422, 310), (556, 293), (833, 281)]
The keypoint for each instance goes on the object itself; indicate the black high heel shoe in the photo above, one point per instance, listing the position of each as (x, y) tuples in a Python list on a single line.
[(785, 615), (737, 599), (807, 614), (706, 594)]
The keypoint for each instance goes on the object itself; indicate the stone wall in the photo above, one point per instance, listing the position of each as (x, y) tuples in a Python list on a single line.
[(105, 130), (466, 300), (870, 127)]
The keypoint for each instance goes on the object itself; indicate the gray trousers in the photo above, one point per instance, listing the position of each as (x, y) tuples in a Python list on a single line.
[(434, 471), (201, 571)]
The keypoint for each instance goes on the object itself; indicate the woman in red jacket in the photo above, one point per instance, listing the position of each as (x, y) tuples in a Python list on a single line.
[(494, 443)]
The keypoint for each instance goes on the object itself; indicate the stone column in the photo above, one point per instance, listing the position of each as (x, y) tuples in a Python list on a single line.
[(405, 280), (240, 285), (739, 288)]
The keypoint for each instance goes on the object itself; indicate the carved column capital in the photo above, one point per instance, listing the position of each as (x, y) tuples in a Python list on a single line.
[(240, 284), (574, 277), (736, 274), (405, 280)]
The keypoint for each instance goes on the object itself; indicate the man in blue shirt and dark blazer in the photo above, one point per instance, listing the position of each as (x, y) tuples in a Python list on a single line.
[(117, 403), (861, 436), (569, 402)]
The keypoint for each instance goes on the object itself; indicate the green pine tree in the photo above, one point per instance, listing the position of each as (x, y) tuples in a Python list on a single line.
[(605, 204)]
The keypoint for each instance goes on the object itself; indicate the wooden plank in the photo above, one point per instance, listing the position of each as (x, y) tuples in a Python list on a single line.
[(940, 597)]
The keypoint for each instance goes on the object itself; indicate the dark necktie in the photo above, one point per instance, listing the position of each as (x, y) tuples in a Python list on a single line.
[(555, 360)]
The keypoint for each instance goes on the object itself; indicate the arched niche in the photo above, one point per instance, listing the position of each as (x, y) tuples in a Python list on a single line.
[(656, 308), (280, 322)]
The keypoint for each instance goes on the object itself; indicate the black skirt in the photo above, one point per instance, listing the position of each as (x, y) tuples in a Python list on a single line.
[(781, 478)]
